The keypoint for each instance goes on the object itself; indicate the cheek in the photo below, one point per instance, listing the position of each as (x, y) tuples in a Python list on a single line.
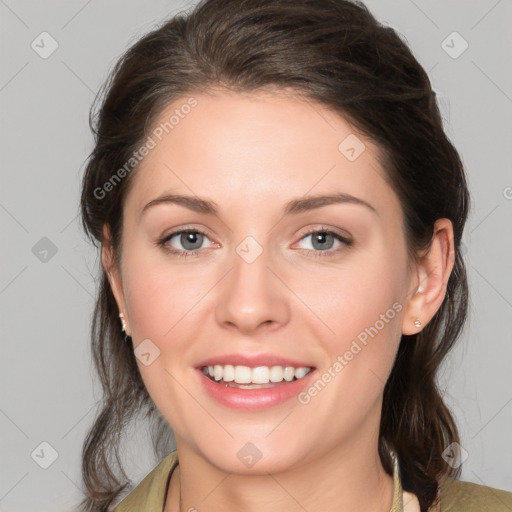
[(362, 306), (166, 304), (365, 293), (163, 303), (159, 295)]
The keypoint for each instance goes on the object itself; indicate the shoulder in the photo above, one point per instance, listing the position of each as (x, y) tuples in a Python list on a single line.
[(149, 495), (457, 496)]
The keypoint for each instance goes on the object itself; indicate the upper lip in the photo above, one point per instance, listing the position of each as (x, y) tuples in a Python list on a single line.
[(252, 361)]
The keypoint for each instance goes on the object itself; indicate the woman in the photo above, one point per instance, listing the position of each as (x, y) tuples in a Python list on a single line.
[(280, 216)]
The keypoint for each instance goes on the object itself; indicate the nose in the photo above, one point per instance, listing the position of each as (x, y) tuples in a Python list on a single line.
[(252, 298)]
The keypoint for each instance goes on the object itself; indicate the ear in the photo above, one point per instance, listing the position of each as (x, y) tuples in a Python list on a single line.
[(430, 278), (113, 273)]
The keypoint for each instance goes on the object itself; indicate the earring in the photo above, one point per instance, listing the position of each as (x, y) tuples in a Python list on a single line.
[(127, 338), (123, 323), (417, 323)]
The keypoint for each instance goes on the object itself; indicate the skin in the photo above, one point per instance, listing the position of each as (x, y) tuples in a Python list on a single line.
[(251, 154)]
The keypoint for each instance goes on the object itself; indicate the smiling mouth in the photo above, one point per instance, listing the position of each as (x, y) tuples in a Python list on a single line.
[(245, 377)]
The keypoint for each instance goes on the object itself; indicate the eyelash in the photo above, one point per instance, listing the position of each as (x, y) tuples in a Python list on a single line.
[(347, 242)]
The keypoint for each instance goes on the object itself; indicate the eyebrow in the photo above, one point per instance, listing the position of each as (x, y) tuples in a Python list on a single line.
[(295, 206)]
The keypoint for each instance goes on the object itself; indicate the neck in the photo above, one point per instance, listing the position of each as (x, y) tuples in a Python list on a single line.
[(343, 480)]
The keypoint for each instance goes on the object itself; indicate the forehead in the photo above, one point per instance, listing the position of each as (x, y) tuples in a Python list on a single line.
[(259, 149)]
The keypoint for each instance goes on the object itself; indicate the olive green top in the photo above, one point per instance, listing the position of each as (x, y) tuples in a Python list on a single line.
[(455, 496)]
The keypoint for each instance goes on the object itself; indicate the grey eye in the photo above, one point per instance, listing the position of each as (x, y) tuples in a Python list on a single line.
[(189, 240)]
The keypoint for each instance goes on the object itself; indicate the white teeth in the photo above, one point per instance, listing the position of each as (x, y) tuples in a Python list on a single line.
[(257, 375), (301, 372), (242, 375), (217, 372), (289, 373), (260, 375), (276, 374), (228, 373)]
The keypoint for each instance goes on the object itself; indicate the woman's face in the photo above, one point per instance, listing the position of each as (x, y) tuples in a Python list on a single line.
[(270, 277)]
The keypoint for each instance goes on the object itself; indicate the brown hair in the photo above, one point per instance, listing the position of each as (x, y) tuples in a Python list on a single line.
[(330, 51)]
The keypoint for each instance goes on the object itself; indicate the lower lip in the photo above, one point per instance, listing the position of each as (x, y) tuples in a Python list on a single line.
[(254, 399)]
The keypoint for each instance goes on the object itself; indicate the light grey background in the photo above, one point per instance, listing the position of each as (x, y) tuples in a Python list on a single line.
[(47, 390)]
